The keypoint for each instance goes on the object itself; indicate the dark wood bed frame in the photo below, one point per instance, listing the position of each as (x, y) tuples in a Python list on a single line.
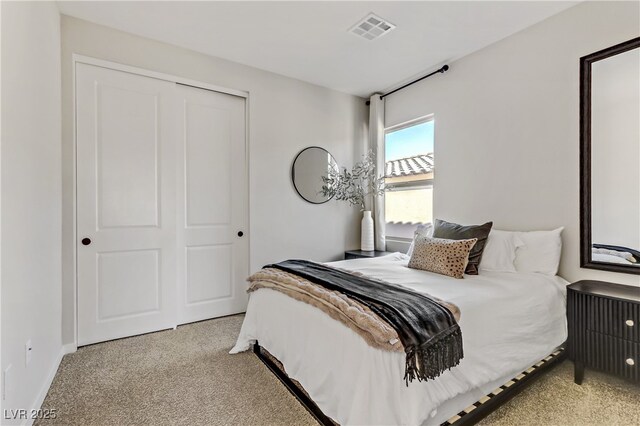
[(469, 416)]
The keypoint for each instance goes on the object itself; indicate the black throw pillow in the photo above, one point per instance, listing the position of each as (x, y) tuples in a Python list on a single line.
[(453, 231)]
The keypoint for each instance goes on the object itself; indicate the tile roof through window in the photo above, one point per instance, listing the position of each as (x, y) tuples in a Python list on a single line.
[(410, 166)]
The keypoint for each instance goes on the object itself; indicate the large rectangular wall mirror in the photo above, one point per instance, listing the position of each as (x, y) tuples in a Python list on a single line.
[(610, 158)]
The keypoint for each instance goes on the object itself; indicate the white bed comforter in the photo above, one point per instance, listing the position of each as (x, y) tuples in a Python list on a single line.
[(509, 322)]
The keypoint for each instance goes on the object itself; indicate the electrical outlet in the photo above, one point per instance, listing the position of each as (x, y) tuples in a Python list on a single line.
[(28, 350), (5, 382)]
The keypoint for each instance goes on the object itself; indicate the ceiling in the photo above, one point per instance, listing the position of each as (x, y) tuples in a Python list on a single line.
[(310, 41)]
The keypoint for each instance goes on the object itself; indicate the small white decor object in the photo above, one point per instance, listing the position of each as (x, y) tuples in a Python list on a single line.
[(366, 232), (356, 187)]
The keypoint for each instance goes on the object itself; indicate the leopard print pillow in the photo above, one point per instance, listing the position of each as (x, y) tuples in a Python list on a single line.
[(446, 257)]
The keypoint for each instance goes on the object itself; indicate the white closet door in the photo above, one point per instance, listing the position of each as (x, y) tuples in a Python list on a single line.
[(126, 203), (212, 205)]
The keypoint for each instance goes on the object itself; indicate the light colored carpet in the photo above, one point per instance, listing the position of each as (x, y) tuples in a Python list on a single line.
[(555, 400), (187, 377), (175, 377)]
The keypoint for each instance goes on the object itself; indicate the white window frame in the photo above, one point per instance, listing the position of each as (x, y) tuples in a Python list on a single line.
[(403, 186)]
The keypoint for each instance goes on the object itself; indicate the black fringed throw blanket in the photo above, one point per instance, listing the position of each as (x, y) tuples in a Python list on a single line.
[(428, 331)]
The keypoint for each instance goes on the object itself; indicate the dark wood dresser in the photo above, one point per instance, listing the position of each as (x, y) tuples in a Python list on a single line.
[(604, 328)]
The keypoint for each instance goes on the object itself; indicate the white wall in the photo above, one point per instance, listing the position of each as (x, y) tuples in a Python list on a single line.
[(285, 116), (31, 199), (615, 150), (506, 126)]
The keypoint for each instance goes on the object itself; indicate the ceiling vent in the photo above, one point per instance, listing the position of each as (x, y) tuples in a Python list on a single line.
[(372, 27)]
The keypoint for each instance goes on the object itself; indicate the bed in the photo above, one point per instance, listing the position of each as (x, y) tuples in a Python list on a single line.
[(607, 253), (509, 322)]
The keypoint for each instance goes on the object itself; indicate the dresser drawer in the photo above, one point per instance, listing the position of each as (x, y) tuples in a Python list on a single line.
[(613, 317), (603, 321), (613, 355)]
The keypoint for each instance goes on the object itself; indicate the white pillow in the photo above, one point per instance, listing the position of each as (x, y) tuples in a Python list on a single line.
[(540, 252), (425, 230), (500, 252)]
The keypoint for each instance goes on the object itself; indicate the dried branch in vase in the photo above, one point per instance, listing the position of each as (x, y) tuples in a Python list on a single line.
[(356, 185)]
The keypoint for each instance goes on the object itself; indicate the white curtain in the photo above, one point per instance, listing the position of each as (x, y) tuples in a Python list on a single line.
[(376, 143)]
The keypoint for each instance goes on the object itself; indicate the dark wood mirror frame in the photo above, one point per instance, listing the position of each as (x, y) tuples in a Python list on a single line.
[(585, 157)]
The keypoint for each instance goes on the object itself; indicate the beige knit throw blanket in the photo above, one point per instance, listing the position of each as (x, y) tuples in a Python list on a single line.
[(359, 318)]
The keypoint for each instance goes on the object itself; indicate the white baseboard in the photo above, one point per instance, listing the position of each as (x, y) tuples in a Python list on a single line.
[(66, 349), (69, 348)]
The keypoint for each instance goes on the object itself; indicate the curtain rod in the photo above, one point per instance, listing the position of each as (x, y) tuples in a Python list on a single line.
[(441, 70)]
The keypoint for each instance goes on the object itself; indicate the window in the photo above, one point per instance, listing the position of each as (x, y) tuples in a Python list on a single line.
[(408, 177)]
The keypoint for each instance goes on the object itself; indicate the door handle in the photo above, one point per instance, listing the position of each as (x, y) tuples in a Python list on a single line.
[(86, 241), (240, 233)]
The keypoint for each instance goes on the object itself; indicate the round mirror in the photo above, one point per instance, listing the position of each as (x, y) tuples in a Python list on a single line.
[(308, 168)]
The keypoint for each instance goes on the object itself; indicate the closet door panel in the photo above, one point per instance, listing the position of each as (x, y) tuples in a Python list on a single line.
[(126, 248), (207, 150), (127, 157), (212, 190), (162, 204)]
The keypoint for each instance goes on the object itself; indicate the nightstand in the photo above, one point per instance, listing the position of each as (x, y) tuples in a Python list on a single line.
[(359, 254), (604, 328)]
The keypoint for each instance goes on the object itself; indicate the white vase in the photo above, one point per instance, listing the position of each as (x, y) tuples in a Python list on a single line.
[(366, 229)]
